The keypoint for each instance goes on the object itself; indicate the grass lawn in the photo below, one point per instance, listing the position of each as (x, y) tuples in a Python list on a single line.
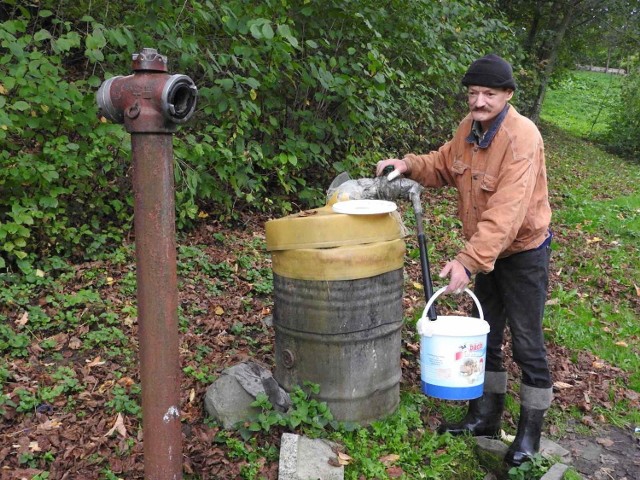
[(595, 296), (597, 221), (579, 103)]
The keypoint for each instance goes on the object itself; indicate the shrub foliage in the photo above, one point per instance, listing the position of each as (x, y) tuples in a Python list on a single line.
[(624, 131), (290, 93)]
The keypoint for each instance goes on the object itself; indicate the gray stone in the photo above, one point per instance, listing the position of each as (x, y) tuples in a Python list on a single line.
[(229, 398), (228, 402), (490, 453), (256, 379), (551, 449), (302, 458), (288, 464), (591, 453), (491, 445), (608, 459), (556, 472)]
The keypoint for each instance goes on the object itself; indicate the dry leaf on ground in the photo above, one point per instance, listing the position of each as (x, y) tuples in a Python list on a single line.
[(118, 426), (389, 459)]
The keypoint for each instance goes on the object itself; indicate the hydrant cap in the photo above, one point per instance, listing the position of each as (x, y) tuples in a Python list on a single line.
[(149, 59), (105, 104), (179, 98)]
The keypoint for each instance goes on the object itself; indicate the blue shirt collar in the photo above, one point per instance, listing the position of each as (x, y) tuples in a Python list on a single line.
[(484, 141)]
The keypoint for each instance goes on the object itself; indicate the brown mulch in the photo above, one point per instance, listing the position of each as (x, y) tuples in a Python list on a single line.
[(79, 435)]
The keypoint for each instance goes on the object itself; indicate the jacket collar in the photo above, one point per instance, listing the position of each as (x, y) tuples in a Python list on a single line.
[(484, 140)]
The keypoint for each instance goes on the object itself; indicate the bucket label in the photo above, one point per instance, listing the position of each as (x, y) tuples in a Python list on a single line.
[(456, 362)]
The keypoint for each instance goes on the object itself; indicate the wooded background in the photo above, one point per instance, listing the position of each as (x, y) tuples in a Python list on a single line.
[(291, 92)]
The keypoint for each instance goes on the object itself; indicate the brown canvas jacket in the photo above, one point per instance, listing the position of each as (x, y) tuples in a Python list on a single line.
[(502, 189)]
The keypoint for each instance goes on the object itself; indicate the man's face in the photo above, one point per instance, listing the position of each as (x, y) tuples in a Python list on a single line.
[(486, 103)]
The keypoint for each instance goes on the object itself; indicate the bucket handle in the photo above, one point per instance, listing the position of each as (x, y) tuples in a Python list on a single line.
[(439, 292)]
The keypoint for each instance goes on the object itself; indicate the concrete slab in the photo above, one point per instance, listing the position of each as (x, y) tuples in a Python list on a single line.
[(556, 472), (302, 458)]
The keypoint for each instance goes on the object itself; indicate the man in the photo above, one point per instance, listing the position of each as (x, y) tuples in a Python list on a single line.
[(496, 162)]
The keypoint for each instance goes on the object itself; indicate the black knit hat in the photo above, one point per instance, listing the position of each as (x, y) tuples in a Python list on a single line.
[(490, 71)]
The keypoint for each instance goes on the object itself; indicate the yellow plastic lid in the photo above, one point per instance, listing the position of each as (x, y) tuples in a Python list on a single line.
[(323, 228)]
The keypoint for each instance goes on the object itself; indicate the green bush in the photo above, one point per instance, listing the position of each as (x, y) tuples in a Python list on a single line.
[(294, 92), (290, 93), (60, 183), (624, 130)]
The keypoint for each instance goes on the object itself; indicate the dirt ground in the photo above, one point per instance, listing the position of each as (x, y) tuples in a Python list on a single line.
[(610, 453), (91, 441)]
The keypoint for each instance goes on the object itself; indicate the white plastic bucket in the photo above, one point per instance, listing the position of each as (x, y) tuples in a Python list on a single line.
[(453, 352)]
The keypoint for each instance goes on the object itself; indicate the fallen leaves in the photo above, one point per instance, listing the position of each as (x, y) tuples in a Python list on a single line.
[(605, 442), (23, 320), (93, 431), (562, 385), (413, 347), (389, 459), (125, 382), (96, 362), (49, 424), (118, 426), (584, 381), (59, 341), (340, 460), (34, 447), (395, 472), (507, 438)]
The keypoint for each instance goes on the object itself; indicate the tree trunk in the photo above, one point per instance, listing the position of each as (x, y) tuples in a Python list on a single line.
[(533, 29), (550, 60)]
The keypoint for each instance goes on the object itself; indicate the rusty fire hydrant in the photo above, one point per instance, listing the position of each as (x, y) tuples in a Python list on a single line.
[(151, 104)]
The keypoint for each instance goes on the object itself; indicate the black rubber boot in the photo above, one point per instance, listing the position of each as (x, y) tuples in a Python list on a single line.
[(483, 418), (527, 441)]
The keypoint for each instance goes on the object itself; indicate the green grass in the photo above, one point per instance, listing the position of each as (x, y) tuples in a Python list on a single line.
[(594, 301), (579, 103), (405, 439)]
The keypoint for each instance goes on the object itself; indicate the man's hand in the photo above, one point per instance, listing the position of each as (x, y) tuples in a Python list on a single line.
[(458, 276), (397, 164)]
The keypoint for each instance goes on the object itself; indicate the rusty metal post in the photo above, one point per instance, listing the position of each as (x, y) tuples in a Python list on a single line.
[(151, 103)]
